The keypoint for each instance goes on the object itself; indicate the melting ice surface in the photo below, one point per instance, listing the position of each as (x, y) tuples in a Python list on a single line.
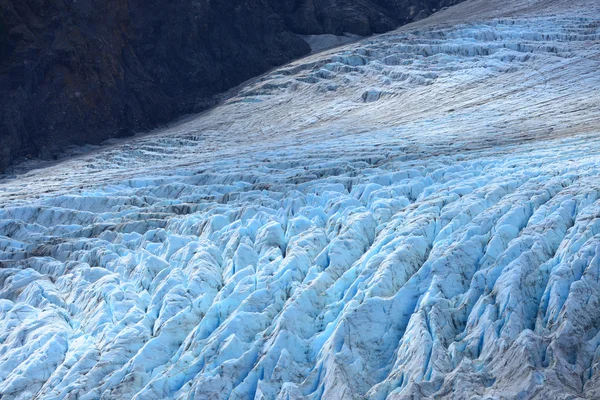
[(412, 216)]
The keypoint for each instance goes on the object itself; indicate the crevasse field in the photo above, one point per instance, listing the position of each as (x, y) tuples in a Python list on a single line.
[(416, 215)]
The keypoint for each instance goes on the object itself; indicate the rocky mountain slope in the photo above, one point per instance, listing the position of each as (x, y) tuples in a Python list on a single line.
[(74, 72), (412, 216)]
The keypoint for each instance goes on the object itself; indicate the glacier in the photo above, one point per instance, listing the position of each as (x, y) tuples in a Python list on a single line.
[(414, 215)]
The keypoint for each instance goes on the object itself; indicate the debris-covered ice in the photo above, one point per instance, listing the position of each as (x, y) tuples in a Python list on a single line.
[(413, 215)]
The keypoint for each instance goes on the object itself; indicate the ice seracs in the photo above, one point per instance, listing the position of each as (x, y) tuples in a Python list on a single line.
[(436, 237)]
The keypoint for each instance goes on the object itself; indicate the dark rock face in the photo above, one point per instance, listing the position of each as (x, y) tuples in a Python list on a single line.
[(82, 71), (360, 17)]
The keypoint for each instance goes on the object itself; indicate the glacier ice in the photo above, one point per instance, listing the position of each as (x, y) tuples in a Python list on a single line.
[(415, 215)]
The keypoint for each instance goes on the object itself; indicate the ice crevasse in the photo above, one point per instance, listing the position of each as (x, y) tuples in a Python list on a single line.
[(414, 215)]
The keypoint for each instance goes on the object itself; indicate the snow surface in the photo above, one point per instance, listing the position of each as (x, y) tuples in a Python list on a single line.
[(416, 215), (327, 41)]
